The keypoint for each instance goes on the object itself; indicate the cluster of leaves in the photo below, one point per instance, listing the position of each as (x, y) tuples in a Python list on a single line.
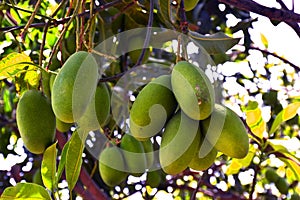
[(51, 40)]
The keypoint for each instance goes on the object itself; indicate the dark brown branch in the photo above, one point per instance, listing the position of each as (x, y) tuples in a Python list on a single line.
[(271, 13)]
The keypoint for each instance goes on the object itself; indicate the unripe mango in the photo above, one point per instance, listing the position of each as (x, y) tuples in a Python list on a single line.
[(202, 162), (154, 178), (190, 4), (149, 153), (153, 106), (112, 166), (134, 155), (37, 177), (74, 86), (180, 142), (282, 185), (46, 83), (36, 121), (62, 126), (271, 175), (98, 110), (226, 132), (193, 90)]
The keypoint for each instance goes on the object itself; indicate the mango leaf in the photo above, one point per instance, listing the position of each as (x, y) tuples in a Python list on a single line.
[(165, 11), (287, 113), (215, 43), (25, 191), (48, 168), (62, 162), (236, 164), (264, 40), (13, 64), (74, 160), (293, 165), (254, 119)]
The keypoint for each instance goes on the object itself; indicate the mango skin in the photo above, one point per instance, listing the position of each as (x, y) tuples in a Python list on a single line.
[(149, 152), (201, 163), (155, 102), (271, 175), (112, 166), (180, 141), (62, 126), (193, 90), (190, 4), (36, 121), (134, 155), (74, 86), (98, 110), (231, 138), (282, 185)]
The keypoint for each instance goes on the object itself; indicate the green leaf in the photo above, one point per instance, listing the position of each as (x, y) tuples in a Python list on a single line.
[(12, 64), (264, 40), (62, 162), (215, 43), (165, 11), (287, 113), (25, 191), (236, 164), (74, 160), (48, 168), (254, 119), (293, 165)]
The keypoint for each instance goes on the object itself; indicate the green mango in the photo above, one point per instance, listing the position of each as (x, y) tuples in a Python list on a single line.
[(282, 185), (226, 132), (112, 166), (149, 152), (62, 126), (180, 141), (295, 197), (193, 90), (46, 83), (74, 86), (153, 106), (134, 155), (154, 178), (271, 175), (36, 121), (51, 81), (98, 110), (202, 161), (190, 4), (37, 177)]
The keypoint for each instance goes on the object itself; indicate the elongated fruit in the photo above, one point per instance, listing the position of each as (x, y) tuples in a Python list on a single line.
[(193, 90), (74, 86), (153, 106), (226, 132), (36, 121), (112, 166), (134, 155), (190, 4), (98, 110), (179, 143), (202, 161)]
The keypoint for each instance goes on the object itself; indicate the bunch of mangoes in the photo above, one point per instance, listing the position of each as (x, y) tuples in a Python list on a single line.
[(194, 128), (71, 96)]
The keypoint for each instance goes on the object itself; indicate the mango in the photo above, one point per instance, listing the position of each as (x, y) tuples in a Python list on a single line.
[(226, 132), (112, 166), (193, 90), (202, 161), (282, 185), (190, 4), (36, 121), (154, 178), (62, 126), (98, 110), (149, 152), (74, 86), (180, 141), (271, 175), (153, 106), (134, 155), (46, 83), (37, 177)]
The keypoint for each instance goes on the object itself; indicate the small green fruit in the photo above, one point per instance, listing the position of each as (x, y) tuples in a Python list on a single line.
[(62, 126), (180, 142), (98, 110), (112, 166), (134, 155), (153, 106), (46, 83), (74, 86), (190, 4), (200, 162), (154, 178), (148, 148), (193, 90), (36, 121), (226, 132), (271, 175), (282, 185)]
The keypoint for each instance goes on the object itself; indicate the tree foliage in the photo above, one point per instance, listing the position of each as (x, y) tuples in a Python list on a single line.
[(37, 37)]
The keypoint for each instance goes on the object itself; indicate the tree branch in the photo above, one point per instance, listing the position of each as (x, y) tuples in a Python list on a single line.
[(271, 13)]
